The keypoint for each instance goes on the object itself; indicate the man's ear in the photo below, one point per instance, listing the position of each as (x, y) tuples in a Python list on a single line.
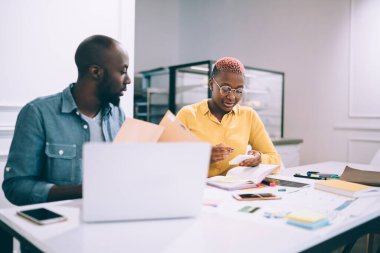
[(96, 72)]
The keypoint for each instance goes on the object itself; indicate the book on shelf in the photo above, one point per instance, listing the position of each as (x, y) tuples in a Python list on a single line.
[(347, 189), (242, 177)]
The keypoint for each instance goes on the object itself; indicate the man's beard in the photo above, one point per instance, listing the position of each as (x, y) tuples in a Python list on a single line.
[(103, 92)]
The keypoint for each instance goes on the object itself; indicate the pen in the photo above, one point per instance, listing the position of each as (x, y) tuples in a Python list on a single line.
[(313, 176), (254, 209)]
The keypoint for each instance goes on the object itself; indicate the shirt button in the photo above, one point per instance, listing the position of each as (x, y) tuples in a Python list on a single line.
[(85, 126), (7, 169), (77, 113), (60, 152)]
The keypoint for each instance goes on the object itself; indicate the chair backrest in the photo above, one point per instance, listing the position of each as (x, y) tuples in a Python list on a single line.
[(376, 159)]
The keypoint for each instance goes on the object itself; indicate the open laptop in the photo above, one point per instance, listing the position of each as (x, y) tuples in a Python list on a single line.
[(143, 180)]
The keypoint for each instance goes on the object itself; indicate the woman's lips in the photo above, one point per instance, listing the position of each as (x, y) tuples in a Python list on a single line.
[(228, 104)]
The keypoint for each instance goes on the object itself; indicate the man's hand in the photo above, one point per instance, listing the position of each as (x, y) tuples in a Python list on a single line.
[(57, 193), (256, 160), (220, 152)]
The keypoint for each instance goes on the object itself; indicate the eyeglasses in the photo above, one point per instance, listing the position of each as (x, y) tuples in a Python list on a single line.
[(225, 90)]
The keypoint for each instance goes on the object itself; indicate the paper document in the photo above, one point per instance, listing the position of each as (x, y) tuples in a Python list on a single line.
[(238, 159)]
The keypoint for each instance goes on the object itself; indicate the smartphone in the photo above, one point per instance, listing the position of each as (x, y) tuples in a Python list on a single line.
[(42, 216), (282, 182), (254, 196)]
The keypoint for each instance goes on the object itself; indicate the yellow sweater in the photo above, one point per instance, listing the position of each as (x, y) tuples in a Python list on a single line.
[(238, 128)]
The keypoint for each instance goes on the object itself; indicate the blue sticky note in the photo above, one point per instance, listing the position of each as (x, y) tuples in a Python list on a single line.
[(310, 225)]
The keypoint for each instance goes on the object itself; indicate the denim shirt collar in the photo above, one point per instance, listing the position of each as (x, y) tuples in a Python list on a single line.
[(68, 102), (69, 105)]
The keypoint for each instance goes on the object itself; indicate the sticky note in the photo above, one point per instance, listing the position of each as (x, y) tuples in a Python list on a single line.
[(309, 225), (249, 209), (305, 216)]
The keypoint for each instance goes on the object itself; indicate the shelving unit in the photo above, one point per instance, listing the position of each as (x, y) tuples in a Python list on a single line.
[(263, 91), (140, 110), (176, 86), (156, 105), (153, 95)]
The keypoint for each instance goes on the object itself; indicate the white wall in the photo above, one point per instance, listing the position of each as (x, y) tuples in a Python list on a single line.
[(157, 38), (309, 41), (37, 47), (365, 59)]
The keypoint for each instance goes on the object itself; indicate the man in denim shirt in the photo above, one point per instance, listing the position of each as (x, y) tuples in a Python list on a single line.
[(44, 162)]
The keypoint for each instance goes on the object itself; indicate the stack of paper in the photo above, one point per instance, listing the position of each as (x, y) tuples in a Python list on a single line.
[(307, 220)]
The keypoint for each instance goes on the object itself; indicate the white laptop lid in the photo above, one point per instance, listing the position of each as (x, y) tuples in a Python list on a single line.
[(143, 180)]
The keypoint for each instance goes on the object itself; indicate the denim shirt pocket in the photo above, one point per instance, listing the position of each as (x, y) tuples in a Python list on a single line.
[(61, 163)]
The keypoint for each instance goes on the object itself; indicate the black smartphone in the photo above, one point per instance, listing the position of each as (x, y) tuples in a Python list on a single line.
[(282, 182), (42, 216), (252, 196)]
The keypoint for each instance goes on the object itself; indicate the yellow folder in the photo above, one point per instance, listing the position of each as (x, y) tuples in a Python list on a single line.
[(134, 130), (345, 188), (174, 131), (169, 130)]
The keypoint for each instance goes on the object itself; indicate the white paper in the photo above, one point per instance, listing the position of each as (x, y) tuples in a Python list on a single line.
[(257, 174), (239, 159)]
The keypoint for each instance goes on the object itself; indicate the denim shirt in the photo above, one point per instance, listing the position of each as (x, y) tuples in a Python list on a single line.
[(46, 149)]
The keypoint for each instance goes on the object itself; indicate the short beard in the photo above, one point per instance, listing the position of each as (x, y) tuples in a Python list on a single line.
[(115, 102), (103, 92)]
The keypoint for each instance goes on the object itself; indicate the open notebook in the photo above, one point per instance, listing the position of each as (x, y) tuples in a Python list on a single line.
[(242, 177)]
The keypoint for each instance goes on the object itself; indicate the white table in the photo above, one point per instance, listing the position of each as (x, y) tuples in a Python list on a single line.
[(217, 229)]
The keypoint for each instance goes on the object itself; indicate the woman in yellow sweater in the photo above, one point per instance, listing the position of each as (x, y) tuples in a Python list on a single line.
[(228, 126)]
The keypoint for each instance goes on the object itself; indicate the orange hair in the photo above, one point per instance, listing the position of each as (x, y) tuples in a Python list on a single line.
[(228, 64)]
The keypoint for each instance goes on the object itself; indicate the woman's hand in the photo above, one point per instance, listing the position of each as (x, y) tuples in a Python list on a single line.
[(251, 162), (220, 152)]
